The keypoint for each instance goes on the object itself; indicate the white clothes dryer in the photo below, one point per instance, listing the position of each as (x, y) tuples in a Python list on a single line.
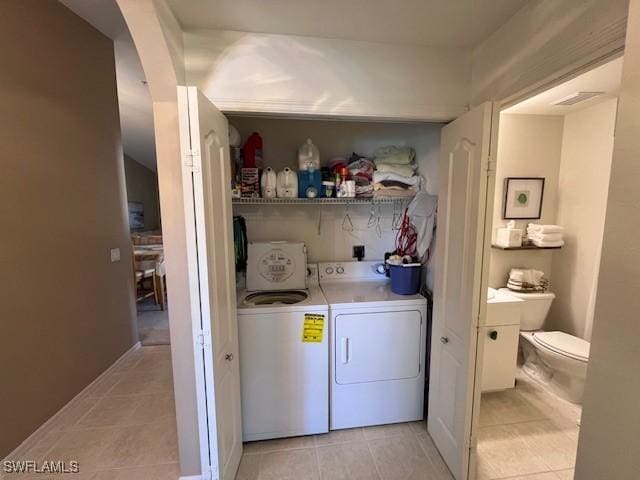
[(377, 347)]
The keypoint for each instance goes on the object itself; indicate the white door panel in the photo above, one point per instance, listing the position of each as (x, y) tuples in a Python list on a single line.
[(458, 280), (371, 347), (209, 220)]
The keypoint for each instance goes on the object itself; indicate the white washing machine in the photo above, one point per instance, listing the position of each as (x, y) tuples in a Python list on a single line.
[(284, 345), (377, 347)]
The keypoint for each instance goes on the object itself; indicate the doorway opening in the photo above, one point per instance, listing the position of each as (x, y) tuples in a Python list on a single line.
[(552, 176), (148, 260)]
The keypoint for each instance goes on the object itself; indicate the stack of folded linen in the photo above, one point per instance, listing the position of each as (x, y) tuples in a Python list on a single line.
[(393, 185), (545, 235), (361, 171), (527, 281), (395, 172)]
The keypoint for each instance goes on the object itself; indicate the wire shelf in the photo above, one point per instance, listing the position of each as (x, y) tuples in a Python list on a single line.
[(320, 201)]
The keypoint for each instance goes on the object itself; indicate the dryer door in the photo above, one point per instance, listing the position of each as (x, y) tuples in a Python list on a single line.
[(373, 347)]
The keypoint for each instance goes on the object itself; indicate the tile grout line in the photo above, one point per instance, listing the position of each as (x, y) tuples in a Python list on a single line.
[(375, 464), (317, 456)]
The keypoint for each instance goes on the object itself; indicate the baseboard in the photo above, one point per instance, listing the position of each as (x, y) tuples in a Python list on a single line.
[(21, 449)]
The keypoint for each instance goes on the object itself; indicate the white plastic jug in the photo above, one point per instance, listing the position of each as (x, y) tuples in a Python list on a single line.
[(308, 156), (268, 183), (287, 184)]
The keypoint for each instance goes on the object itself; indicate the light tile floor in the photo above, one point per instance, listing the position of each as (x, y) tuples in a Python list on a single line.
[(122, 428), (527, 433), (390, 452)]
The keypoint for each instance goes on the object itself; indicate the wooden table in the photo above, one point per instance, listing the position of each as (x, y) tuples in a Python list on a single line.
[(146, 257)]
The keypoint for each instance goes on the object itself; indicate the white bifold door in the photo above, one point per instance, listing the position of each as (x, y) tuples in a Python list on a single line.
[(204, 144), (465, 197)]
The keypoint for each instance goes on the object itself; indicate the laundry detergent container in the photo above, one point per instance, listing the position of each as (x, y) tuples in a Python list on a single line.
[(405, 279)]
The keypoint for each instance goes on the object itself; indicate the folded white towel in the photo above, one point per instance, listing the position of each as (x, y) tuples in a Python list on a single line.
[(536, 227), (403, 170), (393, 154), (382, 176), (542, 243), (526, 275), (546, 237)]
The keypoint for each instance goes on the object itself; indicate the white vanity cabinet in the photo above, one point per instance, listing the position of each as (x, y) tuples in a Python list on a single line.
[(499, 339)]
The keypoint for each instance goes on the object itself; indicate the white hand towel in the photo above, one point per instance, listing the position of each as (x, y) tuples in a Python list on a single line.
[(542, 243), (546, 237), (382, 176), (535, 227), (526, 275)]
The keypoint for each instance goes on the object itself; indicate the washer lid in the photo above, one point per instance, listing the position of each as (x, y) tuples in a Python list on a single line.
[(286, 297), (564, 344), (259, 303), (276, 266)]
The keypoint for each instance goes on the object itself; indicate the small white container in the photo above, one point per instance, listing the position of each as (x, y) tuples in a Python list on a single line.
[(509, 236)]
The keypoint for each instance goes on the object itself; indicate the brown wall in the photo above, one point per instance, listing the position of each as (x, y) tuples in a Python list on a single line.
[(142, 186), (66, 311)]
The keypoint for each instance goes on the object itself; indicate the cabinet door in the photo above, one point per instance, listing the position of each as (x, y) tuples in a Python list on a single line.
[(204, 141), (500, 357), (372, 347)]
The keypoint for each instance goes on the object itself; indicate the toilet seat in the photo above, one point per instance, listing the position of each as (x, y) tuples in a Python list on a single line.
[(563, 344)]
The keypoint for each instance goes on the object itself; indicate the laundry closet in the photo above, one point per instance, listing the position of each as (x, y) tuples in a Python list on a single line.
[(366, 361), (341, 349)]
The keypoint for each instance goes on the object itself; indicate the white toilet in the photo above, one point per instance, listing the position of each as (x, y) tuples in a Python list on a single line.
[(556, 359)]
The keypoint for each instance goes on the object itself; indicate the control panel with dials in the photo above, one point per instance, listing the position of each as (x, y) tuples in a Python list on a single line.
[(369, 270)]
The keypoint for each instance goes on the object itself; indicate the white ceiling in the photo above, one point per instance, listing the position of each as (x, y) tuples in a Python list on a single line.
[(605, 78), (136, 111), (451, 23), (459, 23)]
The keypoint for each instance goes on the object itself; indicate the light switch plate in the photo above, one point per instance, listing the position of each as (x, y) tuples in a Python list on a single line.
[(115, 254)]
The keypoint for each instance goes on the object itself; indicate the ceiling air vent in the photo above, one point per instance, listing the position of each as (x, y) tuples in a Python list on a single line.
[(576, 98)]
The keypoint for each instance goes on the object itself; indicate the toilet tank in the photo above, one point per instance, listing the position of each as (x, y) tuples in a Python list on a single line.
[(534, 309)]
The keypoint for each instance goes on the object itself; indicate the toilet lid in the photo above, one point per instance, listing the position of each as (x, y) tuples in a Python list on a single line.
[(564, 344)]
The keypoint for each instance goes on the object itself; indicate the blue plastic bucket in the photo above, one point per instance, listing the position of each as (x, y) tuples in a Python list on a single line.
[(405, 280)]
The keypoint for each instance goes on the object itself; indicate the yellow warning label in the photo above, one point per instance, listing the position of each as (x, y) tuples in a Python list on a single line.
[(312, 328)]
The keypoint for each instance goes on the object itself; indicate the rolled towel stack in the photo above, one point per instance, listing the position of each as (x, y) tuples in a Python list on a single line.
[(395, 172), (527, 281), (545, 235)]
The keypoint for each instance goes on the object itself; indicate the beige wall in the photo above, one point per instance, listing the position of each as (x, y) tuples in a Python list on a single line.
[(583, 185), (542, 43), (329, 77), (142, 186), (609, 441), (67, 311), (528, 146)]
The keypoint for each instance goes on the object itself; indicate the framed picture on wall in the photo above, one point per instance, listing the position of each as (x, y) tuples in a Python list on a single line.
[(523, 198), (136, 215)]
